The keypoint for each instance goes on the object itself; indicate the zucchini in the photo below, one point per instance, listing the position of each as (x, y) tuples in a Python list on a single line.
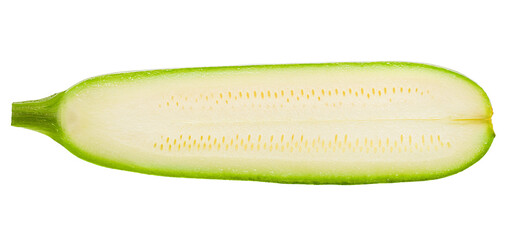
[(332, 123)]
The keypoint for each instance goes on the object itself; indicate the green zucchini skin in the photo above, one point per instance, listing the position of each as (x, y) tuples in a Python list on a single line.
[(43, 116)]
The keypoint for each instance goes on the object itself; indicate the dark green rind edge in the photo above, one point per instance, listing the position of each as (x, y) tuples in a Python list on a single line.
[(55, 131)]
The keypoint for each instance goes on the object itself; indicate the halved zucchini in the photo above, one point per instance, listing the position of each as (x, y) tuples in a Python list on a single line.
[(337, 123)]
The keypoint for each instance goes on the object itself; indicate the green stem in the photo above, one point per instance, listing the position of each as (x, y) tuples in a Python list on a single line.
[(38, 115)]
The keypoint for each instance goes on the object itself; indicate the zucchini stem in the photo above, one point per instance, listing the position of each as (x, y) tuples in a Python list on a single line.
[(38, 115)]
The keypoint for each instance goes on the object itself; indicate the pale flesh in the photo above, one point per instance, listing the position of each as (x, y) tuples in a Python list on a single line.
[(310, 124)]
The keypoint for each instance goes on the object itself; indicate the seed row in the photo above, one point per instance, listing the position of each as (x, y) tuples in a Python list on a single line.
[(291, 95), (302, 144)]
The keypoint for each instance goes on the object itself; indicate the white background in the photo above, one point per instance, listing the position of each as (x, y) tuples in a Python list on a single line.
[(47, 46)]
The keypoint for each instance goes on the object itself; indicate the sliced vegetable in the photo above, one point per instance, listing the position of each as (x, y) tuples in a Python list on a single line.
[(338, 123)]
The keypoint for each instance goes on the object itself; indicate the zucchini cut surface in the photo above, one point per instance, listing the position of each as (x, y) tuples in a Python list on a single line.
[(339, 123)]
